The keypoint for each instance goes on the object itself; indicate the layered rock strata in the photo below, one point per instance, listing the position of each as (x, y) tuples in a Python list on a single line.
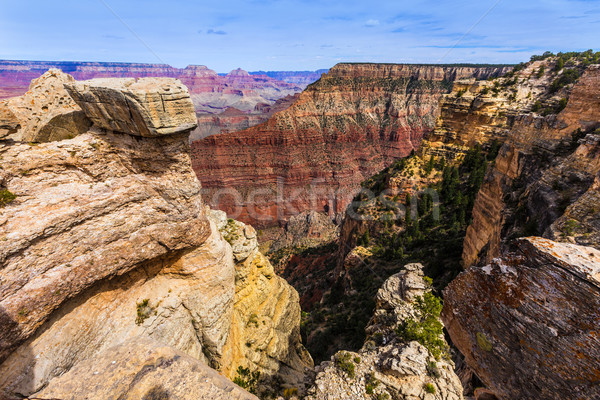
[(547, 164), (350, 124)]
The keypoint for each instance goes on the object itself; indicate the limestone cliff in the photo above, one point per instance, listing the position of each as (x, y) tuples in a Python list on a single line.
[(104, 238), (44, 113), (527, 322), (354, 121)]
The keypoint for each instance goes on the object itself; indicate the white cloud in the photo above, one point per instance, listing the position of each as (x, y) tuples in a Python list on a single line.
[(372, 22)]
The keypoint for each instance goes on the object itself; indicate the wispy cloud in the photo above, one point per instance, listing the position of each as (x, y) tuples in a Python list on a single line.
[(371, 23), (215, 32)]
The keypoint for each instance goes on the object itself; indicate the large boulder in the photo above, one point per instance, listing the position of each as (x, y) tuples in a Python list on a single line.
[(527, 323), (146, 107)]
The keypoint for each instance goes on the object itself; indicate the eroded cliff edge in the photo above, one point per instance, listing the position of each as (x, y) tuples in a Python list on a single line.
[(104, 239)]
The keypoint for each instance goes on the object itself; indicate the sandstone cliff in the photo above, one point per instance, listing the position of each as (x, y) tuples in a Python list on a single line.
[(527, 322), (357, 119), (104, 238)]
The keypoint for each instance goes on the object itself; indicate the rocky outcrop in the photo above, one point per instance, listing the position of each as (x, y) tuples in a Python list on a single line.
[(307, 229), (104, 237), (353, 122), (265, 333), (45, 113), (389, 366), (145, 107), (527, 322), (142, 369)]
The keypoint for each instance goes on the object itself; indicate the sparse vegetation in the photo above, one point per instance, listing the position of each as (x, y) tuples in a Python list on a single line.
[(247, 380), (143, 311), (426, 327), (429, 388), (343, 361), (6, 197)]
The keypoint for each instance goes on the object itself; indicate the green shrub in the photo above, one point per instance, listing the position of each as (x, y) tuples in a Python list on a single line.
[(429, 388), (432, 369), (344, 363), (6, 197), (246, 379), (566, 78), (143, 311), (426, 328)]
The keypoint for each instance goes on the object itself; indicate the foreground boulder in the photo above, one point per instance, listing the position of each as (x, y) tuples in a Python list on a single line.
[(143, 369), (527, 323), (104, 237), (389, 365)]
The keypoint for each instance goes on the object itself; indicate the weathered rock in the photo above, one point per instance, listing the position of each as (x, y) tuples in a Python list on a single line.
[(307, 229), (107, 239), (146, 107), (45, 113), (265, 332), (539, 172), (387, 365), (527, 322), (141, 368)]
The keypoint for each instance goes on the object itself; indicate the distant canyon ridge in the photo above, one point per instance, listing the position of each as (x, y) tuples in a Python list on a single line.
[(223, 102)]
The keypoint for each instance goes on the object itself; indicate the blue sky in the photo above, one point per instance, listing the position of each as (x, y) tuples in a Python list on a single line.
[(294, 34)]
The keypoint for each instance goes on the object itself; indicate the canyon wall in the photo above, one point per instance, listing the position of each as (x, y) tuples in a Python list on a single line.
[(545, 166), (106, 244), (354, 121)]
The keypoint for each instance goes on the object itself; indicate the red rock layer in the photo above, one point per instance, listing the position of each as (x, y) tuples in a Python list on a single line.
[(350, 124)]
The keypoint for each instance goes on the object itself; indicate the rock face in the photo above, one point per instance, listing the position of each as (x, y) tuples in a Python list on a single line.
[(232, 119), (45, 113), (143, 369), (527, 322), (387, 365), (104, 237), (353, 122), (265, 333)]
